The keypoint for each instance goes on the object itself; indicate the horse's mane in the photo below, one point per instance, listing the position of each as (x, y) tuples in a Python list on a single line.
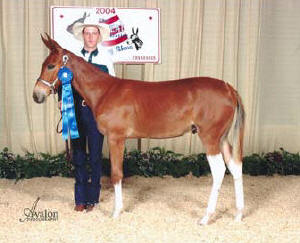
[(77, 60)]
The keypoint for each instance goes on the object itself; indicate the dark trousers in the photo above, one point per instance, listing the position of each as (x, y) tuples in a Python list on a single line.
[(87, 185)]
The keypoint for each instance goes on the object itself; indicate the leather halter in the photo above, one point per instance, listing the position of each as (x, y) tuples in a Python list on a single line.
[(52, 84)]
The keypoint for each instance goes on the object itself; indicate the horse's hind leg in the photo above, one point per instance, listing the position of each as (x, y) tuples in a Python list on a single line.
[(116, 150), (217, 168), (235, 168)]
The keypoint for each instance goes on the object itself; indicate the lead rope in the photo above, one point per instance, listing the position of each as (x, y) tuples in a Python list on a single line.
[(68, 153)]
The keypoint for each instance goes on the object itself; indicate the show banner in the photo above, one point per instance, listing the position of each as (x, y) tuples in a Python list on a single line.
[(134, 32)]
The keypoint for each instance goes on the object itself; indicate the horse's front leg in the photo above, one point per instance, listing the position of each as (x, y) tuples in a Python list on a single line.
[(116, 151), (118, 199)]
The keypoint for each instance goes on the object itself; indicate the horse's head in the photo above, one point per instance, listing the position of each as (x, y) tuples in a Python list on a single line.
[(47, 83)]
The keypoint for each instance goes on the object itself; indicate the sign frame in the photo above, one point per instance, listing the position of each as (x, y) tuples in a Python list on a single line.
[(120, 52)]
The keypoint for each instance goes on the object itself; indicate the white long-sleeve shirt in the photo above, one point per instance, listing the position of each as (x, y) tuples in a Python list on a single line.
[(102, 58)]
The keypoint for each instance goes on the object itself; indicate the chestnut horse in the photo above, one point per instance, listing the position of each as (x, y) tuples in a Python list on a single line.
[(135, 109)]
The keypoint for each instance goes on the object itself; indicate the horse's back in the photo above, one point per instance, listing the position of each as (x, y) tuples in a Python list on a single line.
[(169, 95), (178, 85)]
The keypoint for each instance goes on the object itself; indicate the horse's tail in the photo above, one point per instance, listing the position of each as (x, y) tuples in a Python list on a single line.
[(238, 130)]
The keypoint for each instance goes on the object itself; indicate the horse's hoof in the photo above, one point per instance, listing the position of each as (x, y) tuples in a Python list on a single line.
[(238, 217), (204, 220), (116, 213)]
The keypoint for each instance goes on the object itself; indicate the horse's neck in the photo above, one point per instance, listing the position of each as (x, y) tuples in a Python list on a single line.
[(89, 81)]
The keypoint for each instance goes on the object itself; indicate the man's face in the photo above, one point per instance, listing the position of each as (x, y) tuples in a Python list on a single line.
[(91, 37)]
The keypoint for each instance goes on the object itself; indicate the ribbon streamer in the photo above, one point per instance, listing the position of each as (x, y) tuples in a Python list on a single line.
[(69, 125)]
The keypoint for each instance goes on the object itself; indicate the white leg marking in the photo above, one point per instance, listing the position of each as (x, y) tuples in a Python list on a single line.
[(217, 168), (118, 199), (236, 169)]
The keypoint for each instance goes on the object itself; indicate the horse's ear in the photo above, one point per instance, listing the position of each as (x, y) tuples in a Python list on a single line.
[(46, 41), (50, 43)]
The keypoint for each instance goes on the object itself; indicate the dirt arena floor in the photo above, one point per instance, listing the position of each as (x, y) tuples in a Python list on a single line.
[(155, 210)]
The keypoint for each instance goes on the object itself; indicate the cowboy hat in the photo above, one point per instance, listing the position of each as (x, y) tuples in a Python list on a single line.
[(89, 21)]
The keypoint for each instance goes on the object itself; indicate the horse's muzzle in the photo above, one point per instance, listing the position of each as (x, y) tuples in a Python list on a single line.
[(38, 97)]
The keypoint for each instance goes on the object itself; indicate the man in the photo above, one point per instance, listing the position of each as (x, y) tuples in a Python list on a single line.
[(87, 186)]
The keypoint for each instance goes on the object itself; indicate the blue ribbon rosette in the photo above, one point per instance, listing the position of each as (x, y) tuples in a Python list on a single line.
[(69, 125)]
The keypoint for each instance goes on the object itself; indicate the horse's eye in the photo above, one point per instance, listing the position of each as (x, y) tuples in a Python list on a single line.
[(50, 66)]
